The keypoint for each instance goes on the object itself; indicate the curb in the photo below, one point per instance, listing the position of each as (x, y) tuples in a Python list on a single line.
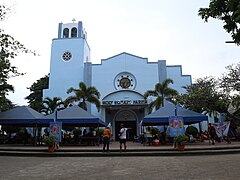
[(118, 154)]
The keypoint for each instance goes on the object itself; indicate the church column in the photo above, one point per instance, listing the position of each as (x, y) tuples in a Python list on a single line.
[(162, 70)]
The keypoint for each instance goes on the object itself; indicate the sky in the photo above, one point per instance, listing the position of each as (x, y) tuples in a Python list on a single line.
[(155, 29)]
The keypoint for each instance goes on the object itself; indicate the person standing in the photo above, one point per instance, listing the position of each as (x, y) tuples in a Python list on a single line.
[(26, 136), (212, 133), (123, 137), (106, 138)]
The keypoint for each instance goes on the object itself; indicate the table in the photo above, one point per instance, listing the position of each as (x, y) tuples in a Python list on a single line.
[(89, 140)]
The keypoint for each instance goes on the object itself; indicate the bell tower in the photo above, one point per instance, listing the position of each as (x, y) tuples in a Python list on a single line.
[(69, 52)]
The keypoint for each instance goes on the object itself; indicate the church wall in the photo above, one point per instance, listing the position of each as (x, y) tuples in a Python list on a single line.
[(104, 74), (65, 74), (179, 80), (121, 77)]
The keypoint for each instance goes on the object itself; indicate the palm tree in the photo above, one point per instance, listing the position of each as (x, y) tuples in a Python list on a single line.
[(49, 105), (84, 94), (160, 92)]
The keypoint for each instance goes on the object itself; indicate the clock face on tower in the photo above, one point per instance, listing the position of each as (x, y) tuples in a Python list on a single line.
[(67, 56), (125, 80)]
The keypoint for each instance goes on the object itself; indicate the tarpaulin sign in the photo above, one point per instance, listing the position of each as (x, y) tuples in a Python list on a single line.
[(55, 130), (176, 126)]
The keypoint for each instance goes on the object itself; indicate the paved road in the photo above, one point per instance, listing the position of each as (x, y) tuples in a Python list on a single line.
[(219, 167)]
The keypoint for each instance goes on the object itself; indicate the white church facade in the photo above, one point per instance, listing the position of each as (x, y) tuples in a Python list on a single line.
[(121, 79)]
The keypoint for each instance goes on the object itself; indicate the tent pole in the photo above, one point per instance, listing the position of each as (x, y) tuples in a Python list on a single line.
[(35, 136), (200, 126), (98, 134), (208, 132)]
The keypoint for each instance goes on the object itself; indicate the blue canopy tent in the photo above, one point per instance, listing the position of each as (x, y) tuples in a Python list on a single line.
[(27, 117), (74, 116), (20, 116), (161, 116)]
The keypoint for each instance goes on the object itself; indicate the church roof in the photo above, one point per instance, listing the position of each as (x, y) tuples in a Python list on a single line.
[(124, 53)]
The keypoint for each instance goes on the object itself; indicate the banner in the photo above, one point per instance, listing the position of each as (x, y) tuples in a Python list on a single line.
[(55, 130), (176, 126), (222, 128)]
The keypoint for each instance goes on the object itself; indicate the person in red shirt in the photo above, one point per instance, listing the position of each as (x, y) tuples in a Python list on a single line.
[(211, 132), (106, 138)]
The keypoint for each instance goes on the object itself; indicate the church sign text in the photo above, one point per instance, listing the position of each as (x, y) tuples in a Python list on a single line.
[(123, 102)]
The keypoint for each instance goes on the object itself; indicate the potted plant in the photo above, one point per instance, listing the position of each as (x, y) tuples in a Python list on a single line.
[(179, 142), (50, 141)]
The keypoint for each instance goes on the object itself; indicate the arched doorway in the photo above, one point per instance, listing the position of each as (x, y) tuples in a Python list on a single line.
[(129, 119)]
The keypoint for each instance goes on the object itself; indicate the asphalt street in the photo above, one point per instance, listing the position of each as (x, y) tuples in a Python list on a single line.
[(209, 167)]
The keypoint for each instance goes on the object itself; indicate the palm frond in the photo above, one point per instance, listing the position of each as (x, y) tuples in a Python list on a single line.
[(158, 102), (150, 93), (150, 107), (83, 94)]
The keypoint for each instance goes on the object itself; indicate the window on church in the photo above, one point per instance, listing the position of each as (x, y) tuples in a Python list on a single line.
[(74, 32), (65, 33)]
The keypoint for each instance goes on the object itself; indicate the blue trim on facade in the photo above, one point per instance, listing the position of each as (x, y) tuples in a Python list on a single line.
[(59, 30), (127, 90), (80, 29), (162, 71), (88, 73)]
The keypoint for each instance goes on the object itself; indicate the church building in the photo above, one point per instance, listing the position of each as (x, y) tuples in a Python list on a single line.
[(121, 79)]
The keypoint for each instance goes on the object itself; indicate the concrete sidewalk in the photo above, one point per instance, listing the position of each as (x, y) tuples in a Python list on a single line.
[(133, 149)]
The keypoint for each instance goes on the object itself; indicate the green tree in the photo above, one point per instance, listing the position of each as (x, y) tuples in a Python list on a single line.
[(160, 92), (49, 105), (230, 85), (10, 48), (83, 95), (5, 103), (233, 113), (230, 81), (227, 11), (35, 98), (204, 97)]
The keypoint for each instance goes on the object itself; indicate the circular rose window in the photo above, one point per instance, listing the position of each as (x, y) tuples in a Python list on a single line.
[(125, 80), (67, 56)]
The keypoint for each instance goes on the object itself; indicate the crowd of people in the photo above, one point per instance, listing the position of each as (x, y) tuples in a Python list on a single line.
[(151, 136), (212, 134)]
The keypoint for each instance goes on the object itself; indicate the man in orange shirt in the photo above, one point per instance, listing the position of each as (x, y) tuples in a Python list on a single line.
[(106, 138)]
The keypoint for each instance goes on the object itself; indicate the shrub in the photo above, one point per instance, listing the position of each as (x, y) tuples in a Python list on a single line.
[(180, 140), (154, 130), (50, 141), (191, 130)]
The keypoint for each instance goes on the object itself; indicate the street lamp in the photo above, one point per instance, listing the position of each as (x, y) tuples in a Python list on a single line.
[(176, 109)]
